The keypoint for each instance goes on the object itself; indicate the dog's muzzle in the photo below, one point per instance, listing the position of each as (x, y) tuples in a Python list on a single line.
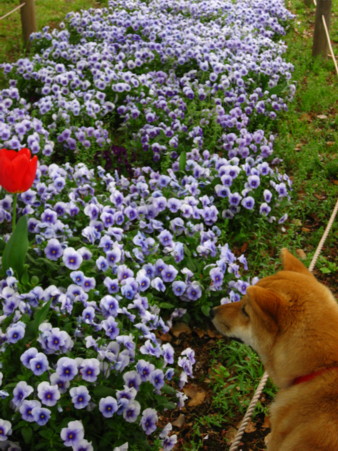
[(213, 312)]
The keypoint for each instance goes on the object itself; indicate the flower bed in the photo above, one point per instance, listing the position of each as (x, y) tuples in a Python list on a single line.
[(189, 90)]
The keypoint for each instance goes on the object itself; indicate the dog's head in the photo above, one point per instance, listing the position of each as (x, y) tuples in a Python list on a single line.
[(277, 312)]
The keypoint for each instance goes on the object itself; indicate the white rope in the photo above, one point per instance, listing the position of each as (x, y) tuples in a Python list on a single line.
[(258, 392), (328, 40), (329, 44), (323, 239), (13, 11), (248, 413)]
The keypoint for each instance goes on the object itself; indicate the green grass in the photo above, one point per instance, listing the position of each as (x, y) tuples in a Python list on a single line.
[(234, 372)]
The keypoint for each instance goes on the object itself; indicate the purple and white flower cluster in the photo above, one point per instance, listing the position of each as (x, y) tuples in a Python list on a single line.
[(167, 86), (56, 380)]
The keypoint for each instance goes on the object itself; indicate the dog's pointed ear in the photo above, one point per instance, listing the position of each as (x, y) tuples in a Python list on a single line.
[(291, 263), (268, 301)]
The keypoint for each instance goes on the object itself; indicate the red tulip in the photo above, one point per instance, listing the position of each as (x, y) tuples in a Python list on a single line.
[(17, 170)]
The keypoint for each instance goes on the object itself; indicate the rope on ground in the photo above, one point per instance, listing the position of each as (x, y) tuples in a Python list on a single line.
[(249, 411), (13, 11), (258, 392), (323, 239)]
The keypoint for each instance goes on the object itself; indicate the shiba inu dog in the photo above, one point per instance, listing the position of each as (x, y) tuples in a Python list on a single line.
[(291, 320)]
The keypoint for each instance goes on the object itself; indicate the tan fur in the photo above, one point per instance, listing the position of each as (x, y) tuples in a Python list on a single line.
[(292, 323)]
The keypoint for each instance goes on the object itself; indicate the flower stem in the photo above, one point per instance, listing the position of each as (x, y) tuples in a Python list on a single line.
[(15, 198)]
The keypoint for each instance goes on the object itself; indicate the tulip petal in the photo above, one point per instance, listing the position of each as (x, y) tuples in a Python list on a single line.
[(29, 175), (17, 170), (8, 154), (6, 168)]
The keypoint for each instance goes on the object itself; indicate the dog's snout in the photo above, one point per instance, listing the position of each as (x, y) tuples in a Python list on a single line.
[(213, 312)]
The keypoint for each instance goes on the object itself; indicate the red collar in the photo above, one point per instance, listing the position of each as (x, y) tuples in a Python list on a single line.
[(308, 377)]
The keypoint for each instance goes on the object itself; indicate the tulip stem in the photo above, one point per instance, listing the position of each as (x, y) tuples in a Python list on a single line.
[(15, 198)]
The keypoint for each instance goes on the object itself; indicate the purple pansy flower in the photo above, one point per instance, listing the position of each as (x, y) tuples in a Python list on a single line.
[(144, 369), (27, 356), (179, 287), (108, 406), (132, 411), (73, 433), (158, 284), (20, 392), (26, 409), (216, 276), (248, 202), (83, 445), (157, 379), (66, 368), (5, 429), (71, 258), (168, 353), (149, 420), (62, 384), (53, 250), (80, 396), (165, 238), (112, 285), (90, 369), (132, 379), (41, 415), (111, 327), (169, 273), (39, 364), (15, 332), (48, 394), (193, 291)]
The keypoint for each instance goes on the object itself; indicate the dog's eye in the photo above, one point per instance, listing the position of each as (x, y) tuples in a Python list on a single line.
[(245, 313)]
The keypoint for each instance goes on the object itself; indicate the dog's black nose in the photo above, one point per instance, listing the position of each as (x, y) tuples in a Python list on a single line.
[(213, 312)]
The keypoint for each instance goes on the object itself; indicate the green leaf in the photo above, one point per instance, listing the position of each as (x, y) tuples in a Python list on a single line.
[(104, 391), (206, 309), (168, 390), (182, 161), (35, 280), (16, 248), (39, 317), (45, 434), (325, 270), (27, 434), (25, 277), (166, 305), (41, 314), (165, 404)]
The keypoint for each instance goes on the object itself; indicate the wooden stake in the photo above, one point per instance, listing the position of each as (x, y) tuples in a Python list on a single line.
[(28, 20), (320, 44)]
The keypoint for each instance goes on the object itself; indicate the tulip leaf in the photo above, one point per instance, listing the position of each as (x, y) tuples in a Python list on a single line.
[(16, 248)]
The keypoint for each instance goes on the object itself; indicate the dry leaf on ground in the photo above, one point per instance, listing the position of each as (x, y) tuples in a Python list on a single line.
[(196, 394), (180, 328), (180, 420)]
